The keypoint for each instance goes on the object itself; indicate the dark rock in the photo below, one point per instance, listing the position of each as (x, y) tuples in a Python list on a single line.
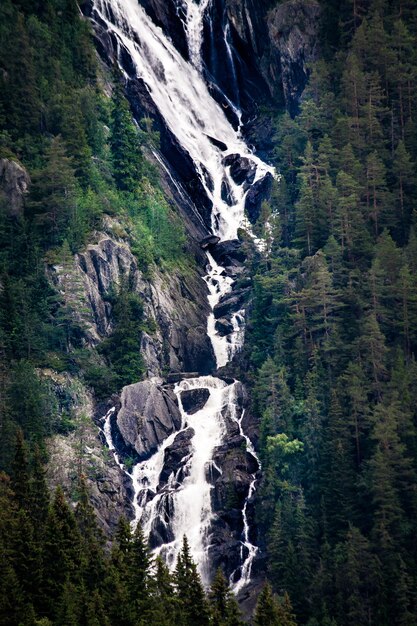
[(293, 31), (259, 192), (242, 169), (227, 252), (219, 144), (224, 326), (161, 532), (168, 16), (236, 53), (148, 415), (176, 456), (210, 240), (194, 400), (227, 193), (231, 303)]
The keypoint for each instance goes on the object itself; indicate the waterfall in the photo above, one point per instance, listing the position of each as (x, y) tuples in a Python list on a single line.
[(194, 29), (181, 503)]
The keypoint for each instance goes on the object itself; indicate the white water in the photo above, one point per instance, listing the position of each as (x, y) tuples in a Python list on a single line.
[(194, 27), (187, 497), (178, 89), (252, 550)]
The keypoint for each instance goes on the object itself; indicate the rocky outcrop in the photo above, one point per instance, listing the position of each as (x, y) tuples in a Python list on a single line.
[(293, 30), (81, 451), (148, 414), (14, 185), (178, 341), (242, 169)]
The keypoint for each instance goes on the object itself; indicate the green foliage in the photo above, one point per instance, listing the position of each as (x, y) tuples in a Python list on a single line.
[(331, 339), (122, 348), (85, 157)]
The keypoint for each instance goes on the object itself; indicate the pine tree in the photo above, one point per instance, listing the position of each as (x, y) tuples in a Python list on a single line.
[(377, 196), (405, 185), (91, 537), (271, 612), (62, 555), (53, 194), (124, 142), (223, 605), (189, 589), (139, 574), (166, 606)]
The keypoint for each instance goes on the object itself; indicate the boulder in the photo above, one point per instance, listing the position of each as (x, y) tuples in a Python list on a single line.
[(228, 252), (148, 415), (219, 144), (231, 303), (242, 169), (194, 400), (224, 326)]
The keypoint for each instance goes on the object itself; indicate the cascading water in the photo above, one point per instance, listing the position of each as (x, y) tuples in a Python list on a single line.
[(181, 503)]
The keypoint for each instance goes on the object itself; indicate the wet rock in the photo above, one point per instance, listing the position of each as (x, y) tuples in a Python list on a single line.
[(231, 303), (219, 144), (227, 193), (161, 532), (225, 549), (259, 192), (194, 400), (242, 169), (210, 240), (148, 415), (14, 185), (228, 252), (168, 16), (224, 326), (176, 456)]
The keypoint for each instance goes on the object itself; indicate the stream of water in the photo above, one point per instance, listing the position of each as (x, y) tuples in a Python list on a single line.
[(183, 504)]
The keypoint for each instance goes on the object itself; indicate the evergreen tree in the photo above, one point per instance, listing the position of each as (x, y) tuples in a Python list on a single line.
[(189, 589), (124, 142), (224, 607)]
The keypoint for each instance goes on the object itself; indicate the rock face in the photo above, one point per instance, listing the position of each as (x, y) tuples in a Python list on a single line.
[(148, 414), (14, 184), (179, 341), (175, 458), (231, 485), (110, 489), (293, 30), (237, 53)]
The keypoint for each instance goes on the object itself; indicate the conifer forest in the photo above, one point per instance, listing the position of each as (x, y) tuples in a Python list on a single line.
[(208, 312)]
